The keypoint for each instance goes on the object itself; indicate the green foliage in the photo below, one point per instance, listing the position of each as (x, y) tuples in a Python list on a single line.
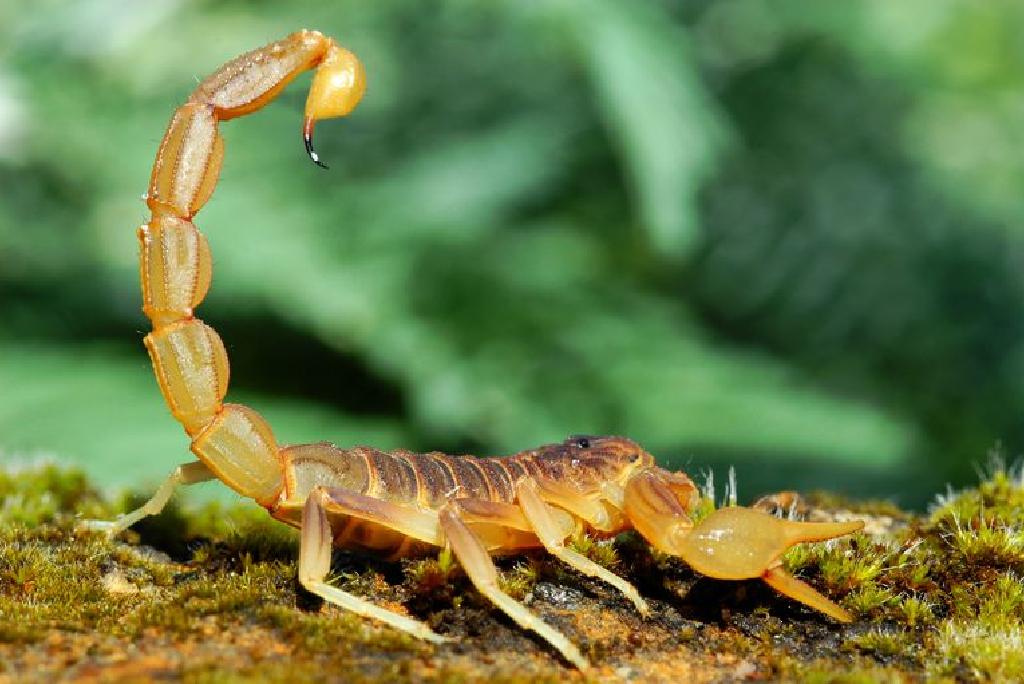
[(731, 231)]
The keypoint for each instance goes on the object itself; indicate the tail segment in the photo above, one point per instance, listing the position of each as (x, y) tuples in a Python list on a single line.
[(188, 356)]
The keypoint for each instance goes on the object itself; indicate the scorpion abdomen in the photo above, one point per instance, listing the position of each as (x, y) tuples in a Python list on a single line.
[(429, 480), (401, 477)]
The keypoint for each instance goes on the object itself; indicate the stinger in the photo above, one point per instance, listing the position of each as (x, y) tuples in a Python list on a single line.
[(307, 138), (338, 85)]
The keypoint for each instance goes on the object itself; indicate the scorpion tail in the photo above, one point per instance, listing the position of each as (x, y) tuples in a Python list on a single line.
[(191, 364)]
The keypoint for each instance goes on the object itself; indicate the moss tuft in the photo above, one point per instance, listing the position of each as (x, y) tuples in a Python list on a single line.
[(883, 643), (601, 552), (987, 653), (520, 580), (915, 611), (868, 599), (430, 573), (854, 567), (34, 494)]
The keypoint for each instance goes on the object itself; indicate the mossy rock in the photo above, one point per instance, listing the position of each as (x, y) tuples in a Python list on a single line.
[(211, 595)]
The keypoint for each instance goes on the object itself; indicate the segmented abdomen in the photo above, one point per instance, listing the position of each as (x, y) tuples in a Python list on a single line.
[(585, 466), (402, 476)]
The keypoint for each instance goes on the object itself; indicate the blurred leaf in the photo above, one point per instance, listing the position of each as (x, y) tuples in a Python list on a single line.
[(105, 413), (654, 105)]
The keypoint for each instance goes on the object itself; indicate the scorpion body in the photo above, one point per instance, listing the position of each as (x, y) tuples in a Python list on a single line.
[(428, 482), (399, 503)]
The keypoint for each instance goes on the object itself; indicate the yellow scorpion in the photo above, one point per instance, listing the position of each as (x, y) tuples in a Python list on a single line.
[(399, 503)]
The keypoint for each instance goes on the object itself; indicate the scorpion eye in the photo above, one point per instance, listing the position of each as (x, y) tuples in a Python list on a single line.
[(580, 441)]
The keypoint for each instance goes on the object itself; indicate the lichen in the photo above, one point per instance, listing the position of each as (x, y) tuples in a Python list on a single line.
[(210, 594)]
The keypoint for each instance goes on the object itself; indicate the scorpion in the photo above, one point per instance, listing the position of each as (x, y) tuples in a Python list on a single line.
[(400, 504)]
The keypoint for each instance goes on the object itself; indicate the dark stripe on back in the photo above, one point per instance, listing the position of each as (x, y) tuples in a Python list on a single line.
[(469, 478), (515, 468), (534, 469), (397, 481), (436, 476), (497, 476), (410, 460)]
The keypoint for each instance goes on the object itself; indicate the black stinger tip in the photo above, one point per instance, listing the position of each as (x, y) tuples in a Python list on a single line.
[(307, 137)]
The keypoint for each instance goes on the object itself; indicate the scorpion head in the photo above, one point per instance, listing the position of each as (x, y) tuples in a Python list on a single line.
[(585, 459), (617, 450)]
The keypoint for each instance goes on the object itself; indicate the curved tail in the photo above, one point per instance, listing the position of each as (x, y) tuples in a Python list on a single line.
[(189, 359)]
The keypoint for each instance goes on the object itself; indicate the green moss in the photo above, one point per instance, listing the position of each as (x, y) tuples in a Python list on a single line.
[(430, 573), (852, 568), (520, 580), (988, 654), (884, 643), (939, 594), (915, 611), (999, 498), (868, 599), (32, 495), (1001, 600), (986, 540), (601, 552), (861, 673)]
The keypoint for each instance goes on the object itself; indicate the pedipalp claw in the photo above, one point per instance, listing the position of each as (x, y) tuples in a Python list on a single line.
[(742, 543), (798, 532), (790, 586)]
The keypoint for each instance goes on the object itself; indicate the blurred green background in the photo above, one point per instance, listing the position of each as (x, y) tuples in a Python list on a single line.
[(780, 235)]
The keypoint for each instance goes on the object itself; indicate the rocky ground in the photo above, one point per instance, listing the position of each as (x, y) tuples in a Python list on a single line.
[(211, 595)]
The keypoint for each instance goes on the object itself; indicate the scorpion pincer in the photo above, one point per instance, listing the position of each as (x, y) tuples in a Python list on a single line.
[(400, 503)]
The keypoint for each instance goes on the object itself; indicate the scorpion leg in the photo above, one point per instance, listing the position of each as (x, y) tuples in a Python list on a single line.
[(552, 534), (185, 474), (477, 563), (407, 520), (315, 550), (731, 543)]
